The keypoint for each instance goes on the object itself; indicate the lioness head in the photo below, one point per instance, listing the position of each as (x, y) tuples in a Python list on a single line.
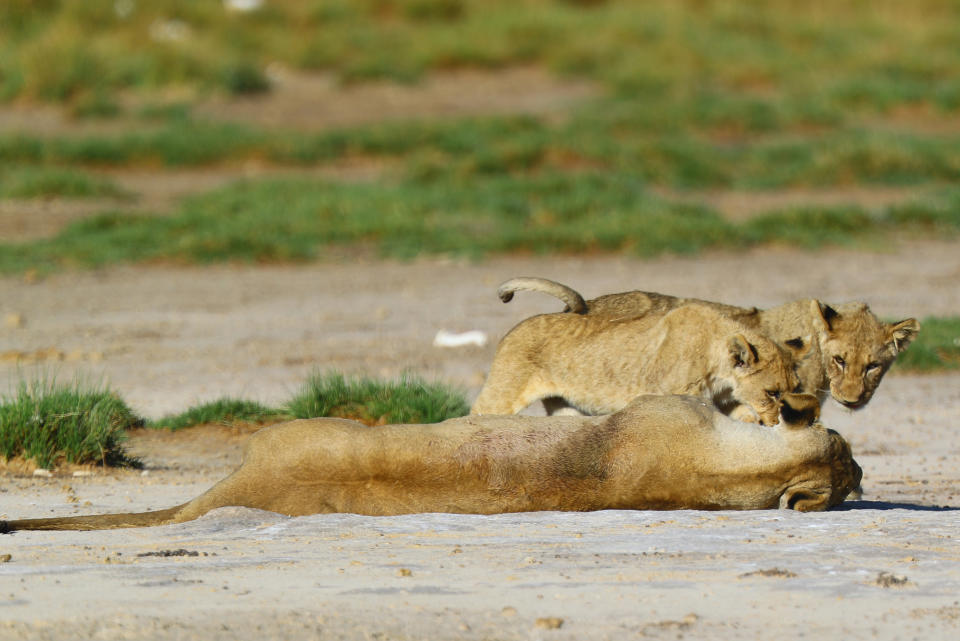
[(839, 467), (763, 373), (858, 349)]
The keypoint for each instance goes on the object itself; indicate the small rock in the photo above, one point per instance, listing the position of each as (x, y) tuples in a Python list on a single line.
[(5, 558), (14, 320), (549, 623), (509, 611), (888, 580), (779, 573), (404, 572), (42, 473)]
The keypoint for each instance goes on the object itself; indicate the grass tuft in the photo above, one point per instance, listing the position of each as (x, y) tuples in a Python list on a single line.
[(224, 411), (407, 400), (78, 423)]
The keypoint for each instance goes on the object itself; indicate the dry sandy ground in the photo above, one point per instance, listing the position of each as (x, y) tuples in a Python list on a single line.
[(887, 567)]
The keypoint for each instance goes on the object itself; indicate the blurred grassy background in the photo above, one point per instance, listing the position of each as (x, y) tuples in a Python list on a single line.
[(828, 103), (674, 126)]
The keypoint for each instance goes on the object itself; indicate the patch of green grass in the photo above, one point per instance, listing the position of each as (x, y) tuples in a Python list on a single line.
[(477, 147), (221, 411), (851, 57), (407, 400), (76, 423), (45, 182), (295, 220), (937, 347)]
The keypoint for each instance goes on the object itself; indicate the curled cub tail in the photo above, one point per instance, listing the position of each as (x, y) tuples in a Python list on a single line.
[(95, 522), (573, 299)]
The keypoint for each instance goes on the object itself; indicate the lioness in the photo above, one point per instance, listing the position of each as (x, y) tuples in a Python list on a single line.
[(596, 364), (849, 348), (660, 452)]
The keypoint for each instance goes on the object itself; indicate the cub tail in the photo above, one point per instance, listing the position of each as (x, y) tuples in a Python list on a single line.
[(570, 297)]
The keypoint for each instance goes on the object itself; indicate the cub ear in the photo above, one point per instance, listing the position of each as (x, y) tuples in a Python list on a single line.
[(799, 411), (823, 315), (742, 352), (799, 346), (902, 333)]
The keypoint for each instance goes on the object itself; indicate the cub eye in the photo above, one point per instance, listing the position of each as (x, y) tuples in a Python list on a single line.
[(774, 394), (872, 366), (839, 361)]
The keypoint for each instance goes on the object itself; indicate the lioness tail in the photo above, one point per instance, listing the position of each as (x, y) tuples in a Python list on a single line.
[(573, 299), (95, 522)]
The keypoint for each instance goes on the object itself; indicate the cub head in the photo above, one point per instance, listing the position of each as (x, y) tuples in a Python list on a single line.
[(762, 373), (858, 349)]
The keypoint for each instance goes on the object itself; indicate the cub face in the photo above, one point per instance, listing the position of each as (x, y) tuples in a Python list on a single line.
[(858, 349), (763, 373)]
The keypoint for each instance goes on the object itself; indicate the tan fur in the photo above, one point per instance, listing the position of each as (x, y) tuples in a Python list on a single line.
[(848, 348), (661, 452), (596, 364)]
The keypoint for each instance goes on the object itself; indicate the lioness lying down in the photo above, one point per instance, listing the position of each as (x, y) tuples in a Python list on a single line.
[(847, 349), (660, 452)]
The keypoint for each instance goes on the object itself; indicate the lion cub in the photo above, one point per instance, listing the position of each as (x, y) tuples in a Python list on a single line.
[(849, 348), (597, 364)]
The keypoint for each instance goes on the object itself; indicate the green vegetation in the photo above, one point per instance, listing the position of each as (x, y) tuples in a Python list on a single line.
[(407, 400), (82, 423), (225, 411), (296, 219), (720, 62), (937, 347), (43, 182), (691, 96), (53, 423)]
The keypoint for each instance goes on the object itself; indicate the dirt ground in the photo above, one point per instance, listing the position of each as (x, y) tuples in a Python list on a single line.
[(886, 567)]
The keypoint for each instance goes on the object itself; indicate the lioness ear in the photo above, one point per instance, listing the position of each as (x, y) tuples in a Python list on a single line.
[(803, 500), (742, 353), (799, 411), (823, 315), (903, 333)]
